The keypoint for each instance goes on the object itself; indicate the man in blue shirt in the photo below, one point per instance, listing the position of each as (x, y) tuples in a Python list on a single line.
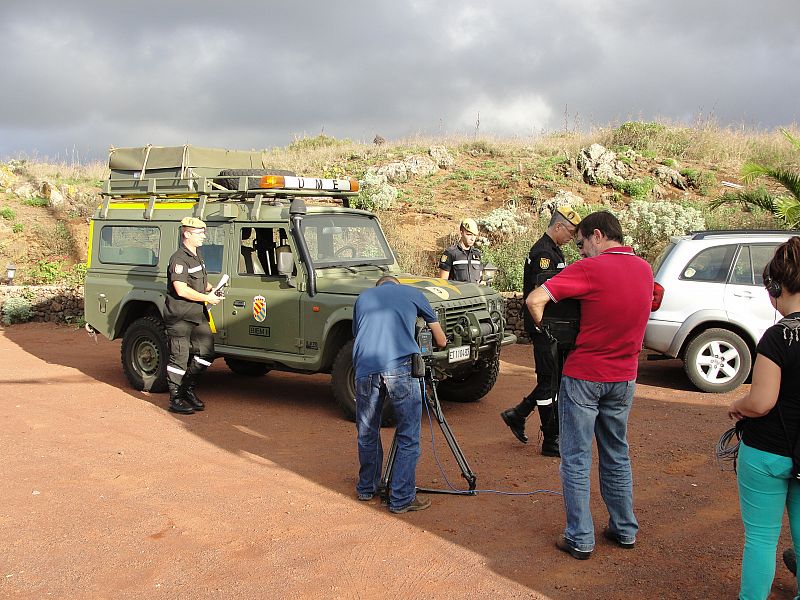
[(384, 319)]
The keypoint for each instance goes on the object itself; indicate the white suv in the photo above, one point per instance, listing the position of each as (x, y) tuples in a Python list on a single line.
[(710, 307)]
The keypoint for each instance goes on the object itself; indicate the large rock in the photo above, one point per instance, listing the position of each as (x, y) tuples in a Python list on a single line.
[(25, 191), (442, 158), (395, 172), (420, 166), (670, 176), (562, 198), (598, 164), (51, 193)]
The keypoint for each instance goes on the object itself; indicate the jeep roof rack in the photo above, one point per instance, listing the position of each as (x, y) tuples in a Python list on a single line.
[(701, 235)]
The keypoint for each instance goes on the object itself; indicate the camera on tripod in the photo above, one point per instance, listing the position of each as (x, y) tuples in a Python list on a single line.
[(421, 360)]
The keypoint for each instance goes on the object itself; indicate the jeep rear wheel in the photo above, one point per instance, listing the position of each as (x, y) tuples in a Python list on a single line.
[(717, 360), (344, 386), (472, 384), (248, 368), (145, 353)]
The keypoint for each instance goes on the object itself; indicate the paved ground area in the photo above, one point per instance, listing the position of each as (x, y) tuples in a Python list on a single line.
[(105, 494)]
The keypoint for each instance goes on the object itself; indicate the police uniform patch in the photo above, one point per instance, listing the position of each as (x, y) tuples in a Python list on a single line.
[(544, 263), (178, 269), (259, 308), (444, 258)]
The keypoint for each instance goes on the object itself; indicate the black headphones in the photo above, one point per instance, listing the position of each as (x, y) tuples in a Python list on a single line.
[(774, 288)]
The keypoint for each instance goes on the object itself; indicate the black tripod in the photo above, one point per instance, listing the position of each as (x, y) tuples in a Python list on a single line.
[(435, 407)]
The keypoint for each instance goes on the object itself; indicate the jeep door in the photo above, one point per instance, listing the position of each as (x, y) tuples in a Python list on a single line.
[(261, 307)]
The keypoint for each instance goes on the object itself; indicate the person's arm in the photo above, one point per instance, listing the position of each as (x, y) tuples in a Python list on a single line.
[(535, 302), (444, 274), (184, 291), (445, 265), (763, 392), (438, 334)]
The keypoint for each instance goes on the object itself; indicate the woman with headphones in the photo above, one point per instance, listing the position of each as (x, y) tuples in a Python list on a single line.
[(770, 421)]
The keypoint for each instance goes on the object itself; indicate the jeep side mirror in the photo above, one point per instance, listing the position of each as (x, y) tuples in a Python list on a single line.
[(285, 262)]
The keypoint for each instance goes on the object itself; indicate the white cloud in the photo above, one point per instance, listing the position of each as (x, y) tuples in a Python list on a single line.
[(521, 115)]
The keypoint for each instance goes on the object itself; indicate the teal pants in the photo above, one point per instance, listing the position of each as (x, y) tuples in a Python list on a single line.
[(765, 490)]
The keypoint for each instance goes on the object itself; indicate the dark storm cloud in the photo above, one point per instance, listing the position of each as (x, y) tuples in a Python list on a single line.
[(79, 76)]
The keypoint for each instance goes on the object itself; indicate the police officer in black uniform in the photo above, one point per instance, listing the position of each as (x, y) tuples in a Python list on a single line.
[(186, 317), (545, 255), (462, 260)]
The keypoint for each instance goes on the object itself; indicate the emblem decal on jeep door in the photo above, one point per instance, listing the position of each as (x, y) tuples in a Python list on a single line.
[(259, 308), (441, 292)]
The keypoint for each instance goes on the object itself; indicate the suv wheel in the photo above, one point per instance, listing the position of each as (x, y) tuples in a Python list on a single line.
[(344, 386), (717, 361), (473, 384), (145, 353), (248, 368)]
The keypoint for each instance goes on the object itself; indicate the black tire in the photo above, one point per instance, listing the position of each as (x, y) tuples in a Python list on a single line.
[(344, 386), (717, 361), (248, 368), (145, 354), (229, 178), (473, 384)]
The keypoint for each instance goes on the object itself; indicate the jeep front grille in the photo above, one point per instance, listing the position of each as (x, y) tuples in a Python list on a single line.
[(453, 310)]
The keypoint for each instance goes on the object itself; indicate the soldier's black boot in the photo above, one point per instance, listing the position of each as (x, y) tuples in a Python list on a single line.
[(549, 416), (176, 403), (189, 382), (515, 422)]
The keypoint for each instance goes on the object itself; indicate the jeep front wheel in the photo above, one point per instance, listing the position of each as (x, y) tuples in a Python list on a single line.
[(344, 386), (473, 384), (717, 360), (145, 353), (248, 368)]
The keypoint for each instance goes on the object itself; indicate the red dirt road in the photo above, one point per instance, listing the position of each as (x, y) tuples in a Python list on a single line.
[(105, 494)]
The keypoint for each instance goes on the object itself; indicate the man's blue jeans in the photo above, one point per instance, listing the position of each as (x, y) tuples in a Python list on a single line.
[(404, 393), (587, 409)]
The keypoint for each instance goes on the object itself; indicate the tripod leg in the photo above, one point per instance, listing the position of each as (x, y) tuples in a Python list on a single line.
[(386, 479), (436, 407)]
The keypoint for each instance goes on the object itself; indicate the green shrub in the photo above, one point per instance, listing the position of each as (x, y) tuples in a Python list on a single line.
[(638, 189), (16, 310), (702, 181), (315, 143), (46, 272), (637, 135), (649, 225), (480, 148), (36, 201), (670, 162), (7, 213), (17, 227), (503, 223)]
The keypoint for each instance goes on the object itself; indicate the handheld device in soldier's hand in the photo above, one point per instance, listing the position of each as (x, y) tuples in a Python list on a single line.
[(219, 289)]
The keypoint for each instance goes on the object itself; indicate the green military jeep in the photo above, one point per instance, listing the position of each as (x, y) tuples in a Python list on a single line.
[(295, 268)]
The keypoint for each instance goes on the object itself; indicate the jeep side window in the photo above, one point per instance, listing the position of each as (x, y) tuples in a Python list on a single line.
[(123, 245), (710, 265), (743, 268), (212, 249), (258, 250)]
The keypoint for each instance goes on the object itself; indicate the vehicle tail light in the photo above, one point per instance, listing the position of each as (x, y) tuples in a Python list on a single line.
[(658, 296)]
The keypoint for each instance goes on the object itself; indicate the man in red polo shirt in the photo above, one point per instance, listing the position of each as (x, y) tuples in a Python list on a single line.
[(615, 289)]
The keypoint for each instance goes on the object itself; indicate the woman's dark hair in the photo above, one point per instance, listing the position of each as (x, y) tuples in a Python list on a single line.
[(603, 220), (784, 268)]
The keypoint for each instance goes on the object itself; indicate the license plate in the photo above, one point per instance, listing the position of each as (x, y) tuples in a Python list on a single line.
[(458, 354)]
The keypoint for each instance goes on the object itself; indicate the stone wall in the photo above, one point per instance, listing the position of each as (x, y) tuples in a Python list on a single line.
[(55, 304), (514, 320)]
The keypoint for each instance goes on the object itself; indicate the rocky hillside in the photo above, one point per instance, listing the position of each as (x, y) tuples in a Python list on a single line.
[(422, 188)]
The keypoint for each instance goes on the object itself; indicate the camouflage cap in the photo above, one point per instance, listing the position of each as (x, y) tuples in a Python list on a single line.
[(193, 222), (470, 226), (569, 214)]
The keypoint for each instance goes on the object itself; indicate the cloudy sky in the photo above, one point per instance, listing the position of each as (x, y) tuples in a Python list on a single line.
[(81, 75)]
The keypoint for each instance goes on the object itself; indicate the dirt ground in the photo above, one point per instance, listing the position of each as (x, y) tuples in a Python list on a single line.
[(105, 494)]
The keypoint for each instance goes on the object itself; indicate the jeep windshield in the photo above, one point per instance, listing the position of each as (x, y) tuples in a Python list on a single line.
[(345, 240)]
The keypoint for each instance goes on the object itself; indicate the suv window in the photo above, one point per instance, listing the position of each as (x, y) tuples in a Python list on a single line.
[(749, 267), (664, 253), (711, 264), (125, 245)]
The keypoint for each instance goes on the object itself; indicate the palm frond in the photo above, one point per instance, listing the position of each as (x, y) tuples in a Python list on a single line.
[(788, 179), (788, 209), (758, 197), (793, 140)]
